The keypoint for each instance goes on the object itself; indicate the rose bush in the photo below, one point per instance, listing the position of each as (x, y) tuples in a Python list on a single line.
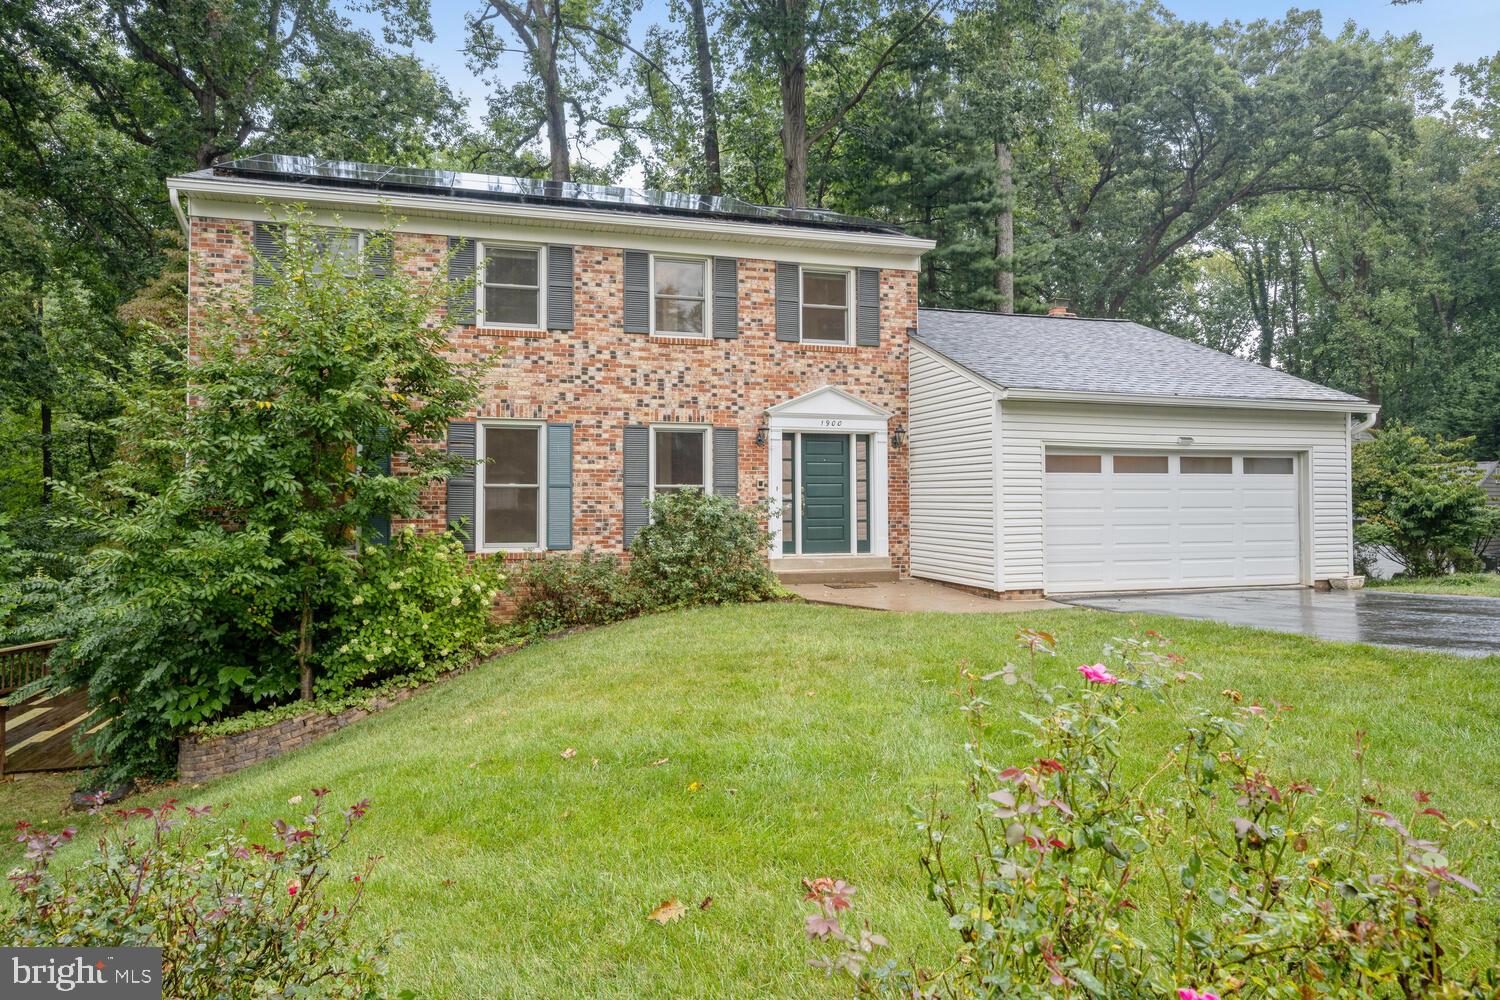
[(1211, 876), (234, 918)]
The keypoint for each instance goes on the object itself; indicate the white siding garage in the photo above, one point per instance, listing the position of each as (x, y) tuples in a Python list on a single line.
[(1032, 465)]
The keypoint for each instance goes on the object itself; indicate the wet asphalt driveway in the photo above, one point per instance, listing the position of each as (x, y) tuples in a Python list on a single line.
[(1466, 626)]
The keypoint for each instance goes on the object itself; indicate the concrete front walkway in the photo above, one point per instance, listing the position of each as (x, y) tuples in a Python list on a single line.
[(911, 595)]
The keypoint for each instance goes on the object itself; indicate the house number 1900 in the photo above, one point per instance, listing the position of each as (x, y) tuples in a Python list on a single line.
[(833, 423)]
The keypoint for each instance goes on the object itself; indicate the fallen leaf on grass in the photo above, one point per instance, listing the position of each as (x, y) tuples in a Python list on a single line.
[(658, 763), (707, 902), (668, 911), (569, 754)]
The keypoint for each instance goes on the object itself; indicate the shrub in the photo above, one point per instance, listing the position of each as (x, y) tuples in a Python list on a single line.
[(1418, 499), (233, 918), (1210, 876), (416, 607), (555, 592), (698, 548)]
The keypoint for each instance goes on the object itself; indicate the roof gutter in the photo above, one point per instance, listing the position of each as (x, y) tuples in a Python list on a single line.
[(176, 199), (1230, 402), (595, 219)]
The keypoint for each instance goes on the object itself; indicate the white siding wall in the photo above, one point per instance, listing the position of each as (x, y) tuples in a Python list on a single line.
[(1028, 427), (951, 442)]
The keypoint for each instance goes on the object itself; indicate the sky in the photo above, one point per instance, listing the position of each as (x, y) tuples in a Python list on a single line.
[(1458, 30)]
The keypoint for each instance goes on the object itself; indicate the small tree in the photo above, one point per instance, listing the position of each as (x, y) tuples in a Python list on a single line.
[(1418, 499), (219, 572)]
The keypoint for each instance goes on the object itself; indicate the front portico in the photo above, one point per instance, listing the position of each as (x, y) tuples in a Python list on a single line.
[(828, 477)]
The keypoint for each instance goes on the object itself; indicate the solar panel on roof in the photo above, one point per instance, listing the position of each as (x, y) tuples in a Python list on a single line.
[(495, 187)]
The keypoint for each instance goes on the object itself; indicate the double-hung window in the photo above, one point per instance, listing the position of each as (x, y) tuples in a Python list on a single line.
[(511, 506), (342, 246), (826, 317), (679, 459), (511, 292), (679, 296)]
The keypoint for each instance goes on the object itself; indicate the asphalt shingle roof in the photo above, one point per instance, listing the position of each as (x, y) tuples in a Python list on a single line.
[(1069, 354)]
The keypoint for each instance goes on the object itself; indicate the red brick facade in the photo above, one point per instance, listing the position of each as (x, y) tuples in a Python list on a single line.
[(600, 378)]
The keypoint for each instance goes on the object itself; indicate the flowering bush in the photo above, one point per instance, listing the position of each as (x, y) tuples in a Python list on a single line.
[(233, 918), (1211, 877), (416, 606)]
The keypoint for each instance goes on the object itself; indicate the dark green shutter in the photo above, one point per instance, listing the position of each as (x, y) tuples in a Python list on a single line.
[(726, 461), (379, 254), (637, 291), (266, 237), (378, 526), (867, 307), (559, 288), (460, 492), (726, 298), (788, 301), (637, 478), (559, 486), (461, 262)]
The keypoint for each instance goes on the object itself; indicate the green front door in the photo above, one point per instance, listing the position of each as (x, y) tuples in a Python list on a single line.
[(825, 493)]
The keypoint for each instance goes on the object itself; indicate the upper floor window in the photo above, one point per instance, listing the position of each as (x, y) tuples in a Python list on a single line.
[(510, 508), (511, 294), (679, 296), (679, 459), (825, 306)]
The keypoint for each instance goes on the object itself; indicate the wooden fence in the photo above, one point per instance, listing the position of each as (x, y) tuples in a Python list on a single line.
[(36, 725)]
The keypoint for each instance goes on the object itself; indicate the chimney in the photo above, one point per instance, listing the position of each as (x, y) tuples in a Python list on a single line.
[(1061, 309)]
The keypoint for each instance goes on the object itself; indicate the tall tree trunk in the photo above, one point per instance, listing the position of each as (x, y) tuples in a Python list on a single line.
[(704, 65), (1005, 230), (794, 129), (46, 454), (557, 117)]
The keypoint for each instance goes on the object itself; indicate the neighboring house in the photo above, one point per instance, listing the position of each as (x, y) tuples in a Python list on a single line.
[(646, 343), (649, 342), (1064, 455)]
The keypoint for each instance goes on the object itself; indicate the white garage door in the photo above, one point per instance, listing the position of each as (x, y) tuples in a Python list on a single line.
[(1137, 521)]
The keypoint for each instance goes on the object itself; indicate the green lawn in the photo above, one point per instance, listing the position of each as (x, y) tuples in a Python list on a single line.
[(1467, 584), (794, 738)]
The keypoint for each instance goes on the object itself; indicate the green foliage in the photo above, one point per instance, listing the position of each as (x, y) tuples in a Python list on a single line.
[(414, 608), (558, 591), (699, 548), (1418, 498), (234, 918), (1267, 887), (217, 578)]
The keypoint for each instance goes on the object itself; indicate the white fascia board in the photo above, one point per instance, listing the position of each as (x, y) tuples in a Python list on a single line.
[(443, 216), (1220, 402)]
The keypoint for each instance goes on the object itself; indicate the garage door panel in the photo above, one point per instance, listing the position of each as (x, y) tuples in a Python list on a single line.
[(1136, 531)]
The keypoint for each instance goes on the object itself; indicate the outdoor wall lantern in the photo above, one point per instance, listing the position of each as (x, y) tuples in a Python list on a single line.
[(760, 435), (898, 437)]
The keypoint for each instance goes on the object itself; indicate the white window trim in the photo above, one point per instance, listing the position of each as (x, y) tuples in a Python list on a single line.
[(708, 295), (708, 457), (803, 304), (480, 486), (480, 254)]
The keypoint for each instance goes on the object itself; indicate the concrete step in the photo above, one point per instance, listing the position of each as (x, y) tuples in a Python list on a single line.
[(833, 569)]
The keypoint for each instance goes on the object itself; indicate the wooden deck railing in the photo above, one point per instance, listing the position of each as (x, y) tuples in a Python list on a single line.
[(23, 665)]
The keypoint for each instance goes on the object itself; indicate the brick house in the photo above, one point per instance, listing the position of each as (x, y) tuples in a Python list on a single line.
[(644, 346), (649, 342)]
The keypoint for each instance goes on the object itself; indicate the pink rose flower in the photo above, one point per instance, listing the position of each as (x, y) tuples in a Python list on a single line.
[(1098, 673), (1191, 994)]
